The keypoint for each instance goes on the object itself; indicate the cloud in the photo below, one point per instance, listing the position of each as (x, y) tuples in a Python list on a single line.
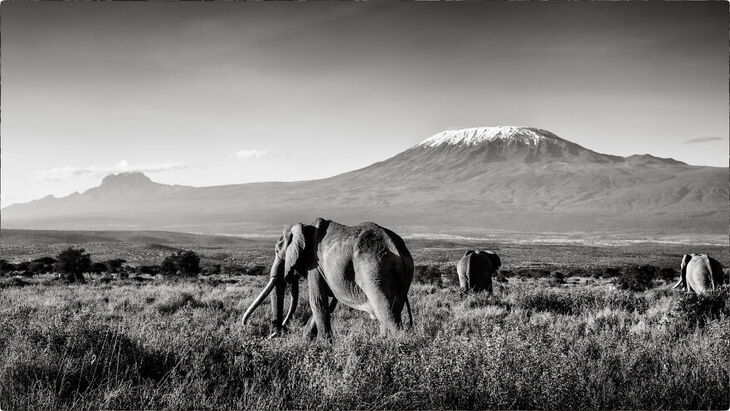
[(701, 140), (245, 155), (66, 173)]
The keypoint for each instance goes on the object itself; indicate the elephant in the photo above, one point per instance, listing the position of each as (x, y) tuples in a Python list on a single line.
[(700, 273), (475, 270), (366, 267)]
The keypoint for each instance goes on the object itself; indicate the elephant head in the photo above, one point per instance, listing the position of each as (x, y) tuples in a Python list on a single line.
[(294, 256)]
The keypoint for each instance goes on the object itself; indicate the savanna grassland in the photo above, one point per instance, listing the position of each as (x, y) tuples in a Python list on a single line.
[(565, 341)]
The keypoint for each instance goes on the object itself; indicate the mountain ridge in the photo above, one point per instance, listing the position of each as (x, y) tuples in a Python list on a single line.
[(478, 179)]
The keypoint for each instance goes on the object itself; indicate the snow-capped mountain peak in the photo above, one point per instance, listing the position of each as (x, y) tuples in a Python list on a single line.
[(477, 135)]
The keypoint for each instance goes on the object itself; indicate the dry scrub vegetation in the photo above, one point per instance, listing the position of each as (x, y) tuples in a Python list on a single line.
[(534, 344)]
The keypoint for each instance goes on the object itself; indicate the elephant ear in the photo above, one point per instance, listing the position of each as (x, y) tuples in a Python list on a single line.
[(280, 248), (685, 260), (300, 247), (295, 245), (493, 259), (496, 262)]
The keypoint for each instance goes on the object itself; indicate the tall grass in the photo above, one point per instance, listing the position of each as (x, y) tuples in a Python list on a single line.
[(181, 345)]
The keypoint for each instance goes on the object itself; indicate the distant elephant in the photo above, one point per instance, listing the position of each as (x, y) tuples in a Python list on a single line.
[(475, 270), (700, 272), (366, 267)]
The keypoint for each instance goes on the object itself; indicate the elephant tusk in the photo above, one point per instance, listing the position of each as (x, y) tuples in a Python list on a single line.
[(292, 303), (259, 299), (678, 283)]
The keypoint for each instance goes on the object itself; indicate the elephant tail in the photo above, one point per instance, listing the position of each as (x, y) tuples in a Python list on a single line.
[(410, 317)]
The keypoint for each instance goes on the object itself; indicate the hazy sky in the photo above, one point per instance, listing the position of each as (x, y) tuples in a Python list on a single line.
[(220, 93)]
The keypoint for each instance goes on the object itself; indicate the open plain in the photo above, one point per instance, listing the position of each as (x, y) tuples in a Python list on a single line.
[(543, 340)]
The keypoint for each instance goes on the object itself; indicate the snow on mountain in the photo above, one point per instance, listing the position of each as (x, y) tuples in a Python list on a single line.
[(477, 135)]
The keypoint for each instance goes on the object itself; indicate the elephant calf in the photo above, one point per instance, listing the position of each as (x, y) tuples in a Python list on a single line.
[(475, 270), (700, 273)]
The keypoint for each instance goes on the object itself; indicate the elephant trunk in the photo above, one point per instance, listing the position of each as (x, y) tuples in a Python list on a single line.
[(292, 302)]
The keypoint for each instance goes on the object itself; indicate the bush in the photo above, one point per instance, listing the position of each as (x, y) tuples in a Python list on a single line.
[(6, 267), (98, 268), (72, 263), (46, 260), (233, 269), (183, 263), (211, 269), (667, 274), (427, 274), (148, 269), (256, 270), (115, 265), (533, 272), (697, 309), (636, 278)]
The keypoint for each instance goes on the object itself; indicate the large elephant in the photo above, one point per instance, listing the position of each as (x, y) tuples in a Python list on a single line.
[(366, 267), (475, 270), (700, 273)]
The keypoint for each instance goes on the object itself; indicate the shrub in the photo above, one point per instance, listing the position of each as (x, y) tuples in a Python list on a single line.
[(148, 269), (46, 260), (697, 309), (183, 263), (36, 267), (429, 274), (556, 302), (505, 273), (6, 267), (636, 278), (115, 265), (98, 268), (667, 274), (256, 270), (13, 282), (72, 263), (211, 269), (233, 269)]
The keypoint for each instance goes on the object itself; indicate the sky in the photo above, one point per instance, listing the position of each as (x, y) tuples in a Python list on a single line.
[(232, 92)]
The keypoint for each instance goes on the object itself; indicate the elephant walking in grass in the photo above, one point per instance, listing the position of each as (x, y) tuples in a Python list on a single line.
[(475, 270), (700, 273), (366, 267)]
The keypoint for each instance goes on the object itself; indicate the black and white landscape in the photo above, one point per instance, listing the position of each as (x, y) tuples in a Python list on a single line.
[(365, 205)]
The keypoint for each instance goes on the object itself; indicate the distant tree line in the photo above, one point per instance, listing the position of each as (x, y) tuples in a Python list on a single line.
[(72, 263)]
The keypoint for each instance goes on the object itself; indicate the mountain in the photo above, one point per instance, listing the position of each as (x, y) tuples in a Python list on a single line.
[(468, 180)]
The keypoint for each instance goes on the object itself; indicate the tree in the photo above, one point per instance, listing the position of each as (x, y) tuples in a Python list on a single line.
[(184, 263), (98, 268), (72, 263), (636, 278), (6, 267)]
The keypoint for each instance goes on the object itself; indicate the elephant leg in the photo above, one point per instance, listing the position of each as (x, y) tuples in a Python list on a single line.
[(310, 330), (387, 311), (319, 324)]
